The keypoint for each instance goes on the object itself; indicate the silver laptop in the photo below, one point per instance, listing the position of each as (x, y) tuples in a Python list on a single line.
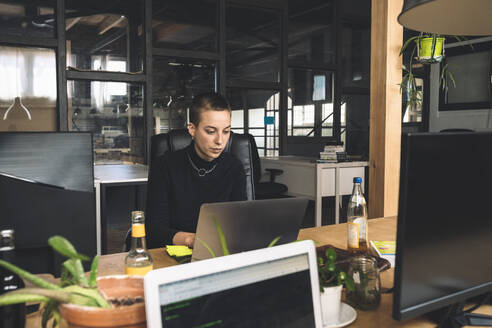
[(270, 287), (247, 225)]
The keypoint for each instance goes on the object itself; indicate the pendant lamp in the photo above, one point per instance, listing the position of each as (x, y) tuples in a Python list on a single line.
[(18, 108), (449, 17)]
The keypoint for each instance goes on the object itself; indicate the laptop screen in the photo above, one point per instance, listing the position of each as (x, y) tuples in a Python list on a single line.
[(269, 294)]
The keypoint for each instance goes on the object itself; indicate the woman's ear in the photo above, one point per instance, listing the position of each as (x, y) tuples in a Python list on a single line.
[(192, 130)]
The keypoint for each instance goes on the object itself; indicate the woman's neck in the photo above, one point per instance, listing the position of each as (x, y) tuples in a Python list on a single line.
[(201, 154)]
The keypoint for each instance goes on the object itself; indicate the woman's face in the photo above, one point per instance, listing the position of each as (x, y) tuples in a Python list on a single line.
[(212, 133)]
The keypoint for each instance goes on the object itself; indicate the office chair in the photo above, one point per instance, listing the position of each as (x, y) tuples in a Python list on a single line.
[(270, 189), (239, 145)]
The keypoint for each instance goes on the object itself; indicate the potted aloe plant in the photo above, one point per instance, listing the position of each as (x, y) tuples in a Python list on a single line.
[(83, 301), (331, 282)]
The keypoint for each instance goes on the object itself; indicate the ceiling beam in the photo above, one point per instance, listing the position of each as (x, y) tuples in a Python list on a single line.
[(109, 22)]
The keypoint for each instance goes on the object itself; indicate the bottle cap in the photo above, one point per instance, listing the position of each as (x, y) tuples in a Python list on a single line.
[(357, 180), (6, 240)]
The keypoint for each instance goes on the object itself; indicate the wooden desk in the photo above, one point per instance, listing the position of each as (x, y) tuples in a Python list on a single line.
[(336, 235)]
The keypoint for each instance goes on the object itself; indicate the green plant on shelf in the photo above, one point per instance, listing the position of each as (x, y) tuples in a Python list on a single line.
[(74, 287), (330, 275)]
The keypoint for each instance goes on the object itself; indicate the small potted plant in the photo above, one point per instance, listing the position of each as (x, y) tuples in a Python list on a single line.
[(83, 301), (331, 282)]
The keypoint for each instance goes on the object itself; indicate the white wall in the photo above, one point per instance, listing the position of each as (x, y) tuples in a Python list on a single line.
[(478, 120)]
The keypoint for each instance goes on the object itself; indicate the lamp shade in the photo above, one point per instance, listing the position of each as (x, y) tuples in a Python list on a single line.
[(450, 17)]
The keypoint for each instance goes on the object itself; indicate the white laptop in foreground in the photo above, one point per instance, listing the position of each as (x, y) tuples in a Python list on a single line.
[(269, 287)]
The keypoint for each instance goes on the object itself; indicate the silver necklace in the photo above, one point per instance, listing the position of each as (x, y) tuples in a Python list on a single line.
[(201, 172)]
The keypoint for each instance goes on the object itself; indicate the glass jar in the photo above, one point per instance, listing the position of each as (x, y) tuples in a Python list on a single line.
[(367, 284)]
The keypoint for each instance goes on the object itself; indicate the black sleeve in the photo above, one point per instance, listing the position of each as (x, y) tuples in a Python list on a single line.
[(239, 183), (158, 223)]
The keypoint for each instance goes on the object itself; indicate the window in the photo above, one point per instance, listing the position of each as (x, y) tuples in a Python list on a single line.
[(114, 117), (30, 74), (185, 24), (237, 121), (312, 32), (105, 41), (175, 83), (22, 18), (312, 97), (252, 44)]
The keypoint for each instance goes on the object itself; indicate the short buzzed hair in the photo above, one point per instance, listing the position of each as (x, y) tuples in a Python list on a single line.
[(207, 101)]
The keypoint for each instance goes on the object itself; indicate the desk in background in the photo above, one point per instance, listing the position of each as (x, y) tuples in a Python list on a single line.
[(304, 177), (111, 176)]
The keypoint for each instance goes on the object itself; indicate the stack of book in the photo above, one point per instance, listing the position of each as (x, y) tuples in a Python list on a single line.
[(329, 153)]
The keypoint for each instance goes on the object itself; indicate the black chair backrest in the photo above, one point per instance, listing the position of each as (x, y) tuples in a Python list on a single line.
[(457, 130), (256, 160), (239, 145)]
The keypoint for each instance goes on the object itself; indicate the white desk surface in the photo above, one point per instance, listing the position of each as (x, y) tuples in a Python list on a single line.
[(120, 173), (310, 161)]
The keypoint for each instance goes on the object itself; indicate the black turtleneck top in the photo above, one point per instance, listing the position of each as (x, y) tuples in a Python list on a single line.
[(175, 191)]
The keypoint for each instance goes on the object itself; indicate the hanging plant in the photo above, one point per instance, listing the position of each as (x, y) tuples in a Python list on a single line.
[(427, 49)]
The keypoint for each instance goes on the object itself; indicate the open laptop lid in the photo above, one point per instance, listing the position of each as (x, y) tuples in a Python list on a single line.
[(247, 225), (270, 287)]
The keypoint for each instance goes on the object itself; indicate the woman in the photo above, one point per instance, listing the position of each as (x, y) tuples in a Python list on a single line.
[(181, 181)]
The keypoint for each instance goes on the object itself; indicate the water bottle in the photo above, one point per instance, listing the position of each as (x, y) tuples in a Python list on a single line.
[(138, 261), (357, 220), (11, 316)]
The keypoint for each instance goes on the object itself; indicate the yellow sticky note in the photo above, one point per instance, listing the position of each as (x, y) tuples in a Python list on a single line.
[(178, 250)]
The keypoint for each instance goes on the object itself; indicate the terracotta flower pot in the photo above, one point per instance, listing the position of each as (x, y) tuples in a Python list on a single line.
[(124, 316)]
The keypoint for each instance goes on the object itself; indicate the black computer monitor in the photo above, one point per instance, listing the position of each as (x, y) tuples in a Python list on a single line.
[(444, 238), (46, 189)]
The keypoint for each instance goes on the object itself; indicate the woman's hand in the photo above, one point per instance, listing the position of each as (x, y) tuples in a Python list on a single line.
[(184, 238)]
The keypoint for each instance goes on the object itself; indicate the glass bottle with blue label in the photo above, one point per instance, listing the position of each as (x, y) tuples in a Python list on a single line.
[(357, 220)]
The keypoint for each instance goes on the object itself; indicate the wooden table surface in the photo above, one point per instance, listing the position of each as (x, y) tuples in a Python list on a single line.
[(336, 235)]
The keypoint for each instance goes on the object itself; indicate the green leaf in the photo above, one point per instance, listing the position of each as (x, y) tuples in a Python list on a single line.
[(405, 45), (66, 278), (451, 77), (223, 243), (57, 295), (28, 276), (349, 283), (207, 247), (93, 277), (47, 313), (331, 255), (74, 266), (57, 316), (331, 266), (9, 299), (65, 248), (91, 293), (70, 267), (274, 241), (80, 272)]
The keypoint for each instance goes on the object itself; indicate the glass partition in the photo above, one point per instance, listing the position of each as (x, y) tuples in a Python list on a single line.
[(113, 112)]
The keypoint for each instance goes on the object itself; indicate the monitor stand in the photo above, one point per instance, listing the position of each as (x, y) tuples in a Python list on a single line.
[(455, 316)]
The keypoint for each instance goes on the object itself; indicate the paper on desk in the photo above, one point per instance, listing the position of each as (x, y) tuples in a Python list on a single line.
[(178, 250)]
